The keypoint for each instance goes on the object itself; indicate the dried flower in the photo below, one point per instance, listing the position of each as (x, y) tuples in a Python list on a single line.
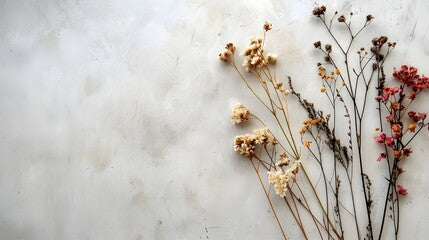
[(369, 17), (391, 44), (397, 154), (412, 127), (337, 71), (394, 105), (245, 144), (407, 152), (381, 156), (295, 168), (328, 48), (316, 121), (226, 54), (396, 127), (254, 53), (389, 141), (272, 58), (322, 89), (389, 118), (342, 19), (408, 75), (306, 144), (380, 138), (267, 26), (303, 129), (389, 91), (264, 136), (378, 42), (280, 178), (317, 44), (416, 117), (239, 113), (318, 11), (401, 190), (284, 160)]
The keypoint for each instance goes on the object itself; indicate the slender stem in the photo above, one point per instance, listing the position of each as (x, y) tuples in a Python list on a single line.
[(309, 211), (296, 219), (319, 201), (269, 200), (297, 212)]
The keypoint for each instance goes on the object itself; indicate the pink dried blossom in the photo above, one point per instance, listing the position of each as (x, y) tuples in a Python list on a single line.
[(416, 117), (378, 98), (381, 156), (387, 92), (391, 90), (389, 141), (380, 138), (389, 118), (401, 190), (396, 135)]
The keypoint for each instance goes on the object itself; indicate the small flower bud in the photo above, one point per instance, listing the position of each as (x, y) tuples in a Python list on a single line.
[(342, 19), (267, 26), (317, 44), (328, 48)]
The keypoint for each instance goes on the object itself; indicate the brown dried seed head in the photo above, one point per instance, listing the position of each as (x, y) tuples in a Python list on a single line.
[(328, 48), (318, 11), (317, 44), (267, 26)]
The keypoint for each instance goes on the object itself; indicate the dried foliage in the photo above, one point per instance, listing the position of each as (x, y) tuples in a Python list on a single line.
[(348, 86)]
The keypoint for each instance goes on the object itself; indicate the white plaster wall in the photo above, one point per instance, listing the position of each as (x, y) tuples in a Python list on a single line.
[(114, 115)]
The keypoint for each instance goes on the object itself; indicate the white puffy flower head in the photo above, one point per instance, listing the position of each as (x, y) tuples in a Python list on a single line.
[(239, 113)]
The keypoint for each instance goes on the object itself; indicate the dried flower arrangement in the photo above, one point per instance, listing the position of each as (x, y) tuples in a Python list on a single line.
[(348, 89)]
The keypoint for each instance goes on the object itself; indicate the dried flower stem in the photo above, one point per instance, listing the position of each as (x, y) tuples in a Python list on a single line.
[(269, 199), (312, 187), (358, 114)]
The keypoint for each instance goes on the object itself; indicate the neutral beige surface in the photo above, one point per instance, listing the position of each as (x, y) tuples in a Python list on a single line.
[(115, 122)]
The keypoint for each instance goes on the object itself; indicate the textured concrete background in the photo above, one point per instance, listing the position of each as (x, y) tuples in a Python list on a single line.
[(115, 122)]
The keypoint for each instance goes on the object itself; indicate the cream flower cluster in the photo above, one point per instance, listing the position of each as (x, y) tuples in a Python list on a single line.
[(254, 53), (281, 178), (272, 58), (239, 113), (264, 136), (246, 144), (284, 160), (226, 54)]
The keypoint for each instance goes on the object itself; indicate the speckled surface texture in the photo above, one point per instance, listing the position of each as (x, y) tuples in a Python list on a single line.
[(115, 121)]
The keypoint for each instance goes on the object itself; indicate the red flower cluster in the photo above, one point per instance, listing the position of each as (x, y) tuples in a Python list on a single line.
[(408, 75), (395, 101), (387, 92)]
